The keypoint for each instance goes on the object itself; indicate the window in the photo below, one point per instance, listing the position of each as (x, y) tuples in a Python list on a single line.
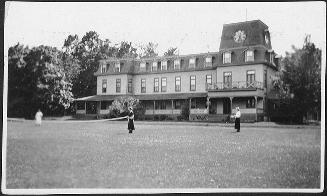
[(250, 103), (104, 86), (163, 84), (271, 57), (192, 83), (154, 66), (130, 84), (142, 66), (156, 85), (118, 85), (227, 79), (208, 80), (143, 89), (265, 78), (250, 79), (117, 67), (208, 62), (164, 65), (227, 57), (249, 55), (191, 63), (177, 104), (178, 84), (159, 65), (177, 64), (103, 68)]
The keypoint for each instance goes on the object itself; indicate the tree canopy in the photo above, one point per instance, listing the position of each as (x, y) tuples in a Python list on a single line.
[(301, 74), (171, 51), (46, 78)]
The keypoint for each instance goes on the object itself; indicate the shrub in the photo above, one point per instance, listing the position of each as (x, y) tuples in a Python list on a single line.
[(180, 118), (163, 117)]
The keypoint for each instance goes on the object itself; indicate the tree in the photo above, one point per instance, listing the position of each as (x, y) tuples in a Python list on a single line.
[(171, 52), (42, 83), (126, 50), (149, 50), (301, 78), (83, 57), (16, 64)]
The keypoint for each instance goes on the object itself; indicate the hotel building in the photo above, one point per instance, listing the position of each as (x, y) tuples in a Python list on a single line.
[(212, 84)]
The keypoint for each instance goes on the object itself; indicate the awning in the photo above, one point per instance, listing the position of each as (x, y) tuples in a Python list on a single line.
[(144, 97)]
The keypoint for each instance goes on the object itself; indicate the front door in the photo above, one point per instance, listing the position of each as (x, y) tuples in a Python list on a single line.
[(226, 106)]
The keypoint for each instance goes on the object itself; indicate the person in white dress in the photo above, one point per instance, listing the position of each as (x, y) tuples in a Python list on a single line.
[(237, 117), (38, 117)]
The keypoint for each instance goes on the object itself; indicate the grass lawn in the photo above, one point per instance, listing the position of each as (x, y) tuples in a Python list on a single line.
[(104, 155)]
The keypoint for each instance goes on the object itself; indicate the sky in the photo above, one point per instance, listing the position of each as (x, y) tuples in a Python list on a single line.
[(191, 27)]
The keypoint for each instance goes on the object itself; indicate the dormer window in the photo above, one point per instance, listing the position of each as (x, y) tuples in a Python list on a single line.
[(103, 68), (249, 55), (271, 56), (155, 66), (177, 64), (117, 67), (208, 61), (227, 57), (191, 63), (164, 65), (142, 66)]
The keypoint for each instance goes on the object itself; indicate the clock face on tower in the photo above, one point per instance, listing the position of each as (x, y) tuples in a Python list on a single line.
[(239, 36)]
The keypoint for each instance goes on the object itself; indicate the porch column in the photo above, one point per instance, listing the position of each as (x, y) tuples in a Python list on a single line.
[(231, 104), (256, 112), (172, 106), (189, 107), (85, 106), (154, 106), (99, 107), (208, 104)]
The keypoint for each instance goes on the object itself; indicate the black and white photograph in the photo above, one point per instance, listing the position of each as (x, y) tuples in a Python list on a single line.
[(163, 97)]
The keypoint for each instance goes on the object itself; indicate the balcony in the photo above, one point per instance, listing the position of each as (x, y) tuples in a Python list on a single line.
[(237, 85)]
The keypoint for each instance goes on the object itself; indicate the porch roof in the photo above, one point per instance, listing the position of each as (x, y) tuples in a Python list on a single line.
[(98, 98), (144, 97)]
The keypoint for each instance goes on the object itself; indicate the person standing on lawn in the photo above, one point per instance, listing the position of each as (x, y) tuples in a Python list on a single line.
[(130, 118), (38, 117), (237, 117)]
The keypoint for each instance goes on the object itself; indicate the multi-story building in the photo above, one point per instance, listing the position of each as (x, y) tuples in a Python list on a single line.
[(212, 84)]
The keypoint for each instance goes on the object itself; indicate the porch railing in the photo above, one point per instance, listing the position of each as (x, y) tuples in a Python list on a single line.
[(198, 111), (236, 85)]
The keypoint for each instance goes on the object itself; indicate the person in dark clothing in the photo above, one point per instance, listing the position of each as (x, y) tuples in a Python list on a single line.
[(237, 119), (130, 118)]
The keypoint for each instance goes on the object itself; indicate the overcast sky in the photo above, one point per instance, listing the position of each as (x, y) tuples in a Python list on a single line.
[(192, 27)]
